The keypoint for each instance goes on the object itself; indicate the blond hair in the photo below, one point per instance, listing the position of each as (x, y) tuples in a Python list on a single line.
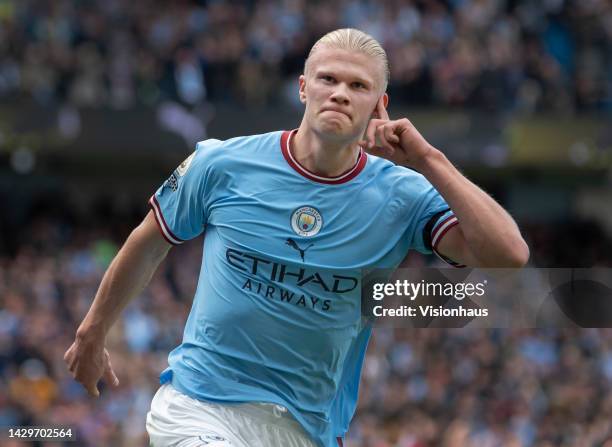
[(352, 39)]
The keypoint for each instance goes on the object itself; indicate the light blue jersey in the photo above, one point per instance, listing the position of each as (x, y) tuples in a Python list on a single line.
[(277, 313)]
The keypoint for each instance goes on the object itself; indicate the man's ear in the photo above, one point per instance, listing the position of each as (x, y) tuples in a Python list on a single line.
[(302, 90), (382, 101)]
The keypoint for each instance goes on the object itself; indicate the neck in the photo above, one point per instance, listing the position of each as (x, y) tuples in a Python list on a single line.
[(323, 157)]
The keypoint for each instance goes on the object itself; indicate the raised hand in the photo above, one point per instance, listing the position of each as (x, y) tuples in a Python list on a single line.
[(396, 140)]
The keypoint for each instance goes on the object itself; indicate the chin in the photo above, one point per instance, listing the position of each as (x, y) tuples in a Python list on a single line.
[(335, 129)]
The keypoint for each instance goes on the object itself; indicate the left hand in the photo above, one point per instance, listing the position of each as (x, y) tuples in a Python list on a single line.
[(396, 140)]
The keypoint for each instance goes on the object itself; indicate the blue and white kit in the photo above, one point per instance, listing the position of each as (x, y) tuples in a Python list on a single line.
[(276, 316)]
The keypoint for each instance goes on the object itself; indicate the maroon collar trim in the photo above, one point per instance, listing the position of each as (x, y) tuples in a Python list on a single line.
[(342, 178)]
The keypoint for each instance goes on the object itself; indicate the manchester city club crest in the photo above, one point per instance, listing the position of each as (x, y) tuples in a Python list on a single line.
[(306, 221), (182, 168)]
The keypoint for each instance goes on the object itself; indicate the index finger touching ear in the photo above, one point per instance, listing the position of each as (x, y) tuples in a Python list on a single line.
[(381, 108)]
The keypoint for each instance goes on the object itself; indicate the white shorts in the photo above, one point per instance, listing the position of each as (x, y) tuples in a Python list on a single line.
[(178, 420)]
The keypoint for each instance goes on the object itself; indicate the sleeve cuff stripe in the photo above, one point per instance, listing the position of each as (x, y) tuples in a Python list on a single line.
[(440, 230), (161, 223), (449, 261)]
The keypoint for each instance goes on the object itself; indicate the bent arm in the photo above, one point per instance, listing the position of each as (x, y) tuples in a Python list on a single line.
[(127, 275), (486, 235)]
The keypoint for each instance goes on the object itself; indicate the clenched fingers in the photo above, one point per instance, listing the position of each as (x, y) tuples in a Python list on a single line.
[(86, 376), (370, 134), (390, 135), (91, 385), (87, 364), (382, 140)]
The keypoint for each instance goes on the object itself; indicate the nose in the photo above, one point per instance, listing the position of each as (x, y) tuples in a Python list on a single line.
[(340, 95)]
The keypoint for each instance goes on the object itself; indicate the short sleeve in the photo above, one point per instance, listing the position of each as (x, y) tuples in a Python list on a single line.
[(181, 203), (435, 219)]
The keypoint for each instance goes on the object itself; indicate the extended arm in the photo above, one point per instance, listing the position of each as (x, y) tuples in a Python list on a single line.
[(128, 274)]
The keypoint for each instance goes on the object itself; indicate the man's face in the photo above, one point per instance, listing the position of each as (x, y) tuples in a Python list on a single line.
[(340, 90)]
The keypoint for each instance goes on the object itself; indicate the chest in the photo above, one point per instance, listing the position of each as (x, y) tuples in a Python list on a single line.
[(341, 227)]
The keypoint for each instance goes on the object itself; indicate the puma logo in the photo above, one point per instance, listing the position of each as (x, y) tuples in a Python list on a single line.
[(290, 242)]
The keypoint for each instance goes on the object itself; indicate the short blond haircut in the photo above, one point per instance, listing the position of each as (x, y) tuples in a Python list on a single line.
[(352, 39)]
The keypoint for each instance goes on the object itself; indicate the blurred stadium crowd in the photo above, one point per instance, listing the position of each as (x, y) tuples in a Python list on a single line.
[(420, 388), (501, 54)]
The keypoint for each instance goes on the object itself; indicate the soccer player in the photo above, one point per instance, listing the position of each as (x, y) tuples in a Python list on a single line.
[(274, 344)]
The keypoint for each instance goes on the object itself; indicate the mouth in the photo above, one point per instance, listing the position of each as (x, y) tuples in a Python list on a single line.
[(337, 111)]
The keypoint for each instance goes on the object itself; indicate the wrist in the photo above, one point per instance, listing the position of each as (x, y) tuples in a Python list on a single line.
[(427, 162), (90, 333)]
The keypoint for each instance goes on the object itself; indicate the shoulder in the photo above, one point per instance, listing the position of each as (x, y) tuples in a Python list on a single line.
[(213, 150), (214, 160), (242, 143)]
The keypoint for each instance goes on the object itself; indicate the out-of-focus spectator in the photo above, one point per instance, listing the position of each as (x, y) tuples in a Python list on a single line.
[(468, 387), (527, 55)]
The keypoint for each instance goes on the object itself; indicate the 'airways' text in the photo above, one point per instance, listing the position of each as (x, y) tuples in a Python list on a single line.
[(278, 293)]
